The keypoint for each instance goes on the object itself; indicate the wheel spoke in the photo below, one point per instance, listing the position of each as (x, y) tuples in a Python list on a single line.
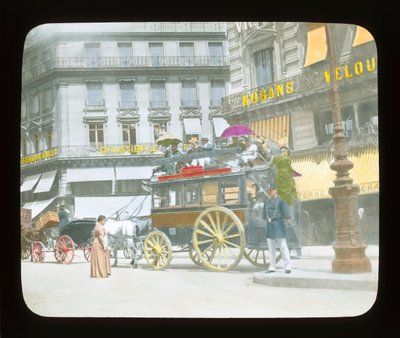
[(230, 249), (231, 244), (232, 236), (201, 232), (208, 249), (204, 224), (230, 226), (205, 241), (212, 221), (218, 220)]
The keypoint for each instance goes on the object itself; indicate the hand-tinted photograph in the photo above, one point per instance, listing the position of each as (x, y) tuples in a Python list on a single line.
[(199, 170)]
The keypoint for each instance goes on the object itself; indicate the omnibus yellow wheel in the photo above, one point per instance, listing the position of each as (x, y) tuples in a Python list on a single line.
[(157, 250), (259, 257), (218, 238), (195, 257)]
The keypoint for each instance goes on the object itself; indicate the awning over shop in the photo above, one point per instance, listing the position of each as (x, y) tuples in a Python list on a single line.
[(30, 182), (317, 176), (134, 173), (46, 181), (192, 126), (316, 44), (220, 125), (275, 129), (38, 206), (90, 174), (92, 207), (362, 36)]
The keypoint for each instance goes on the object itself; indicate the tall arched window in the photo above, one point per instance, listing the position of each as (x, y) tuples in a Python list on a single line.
[(264, 67)]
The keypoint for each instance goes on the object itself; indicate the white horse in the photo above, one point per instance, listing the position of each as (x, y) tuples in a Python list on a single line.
[(124, 235)]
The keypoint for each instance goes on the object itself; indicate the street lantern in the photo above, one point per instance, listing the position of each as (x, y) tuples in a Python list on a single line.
[(349, 245)]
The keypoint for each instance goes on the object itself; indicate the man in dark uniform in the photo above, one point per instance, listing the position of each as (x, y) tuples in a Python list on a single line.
[(63, 215), (275, 212)]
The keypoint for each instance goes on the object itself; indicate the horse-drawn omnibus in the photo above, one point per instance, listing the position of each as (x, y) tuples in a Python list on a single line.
[(214, 213)]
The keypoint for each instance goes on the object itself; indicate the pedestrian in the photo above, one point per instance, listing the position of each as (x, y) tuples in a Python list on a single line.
[(100, 266), (275, 212)]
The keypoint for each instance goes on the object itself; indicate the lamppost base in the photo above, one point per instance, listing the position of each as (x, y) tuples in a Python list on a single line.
[(351, 260)]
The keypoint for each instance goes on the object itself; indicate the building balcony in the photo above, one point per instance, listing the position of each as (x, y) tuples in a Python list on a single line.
[(128, 105), (112, 63), (211, 28), (190, 103), (91, 151), (158, 104), (95, 106)]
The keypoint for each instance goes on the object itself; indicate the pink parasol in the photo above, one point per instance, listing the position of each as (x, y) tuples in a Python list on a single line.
[(295, 173), (237, 130)]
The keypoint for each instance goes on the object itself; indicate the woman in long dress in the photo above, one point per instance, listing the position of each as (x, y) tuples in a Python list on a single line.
[(100, 257)]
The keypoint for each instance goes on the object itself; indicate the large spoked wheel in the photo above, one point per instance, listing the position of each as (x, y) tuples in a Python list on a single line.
[(157, 250), (257, 257), (87, 251), (218, 238), (194, 256), (64, 250), (38, 252)]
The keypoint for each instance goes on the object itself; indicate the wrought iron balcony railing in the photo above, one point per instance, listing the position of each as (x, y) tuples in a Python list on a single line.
[(126, 105), (158, 103), (86, 151), (95, 105), (189, 103), (71, 63)]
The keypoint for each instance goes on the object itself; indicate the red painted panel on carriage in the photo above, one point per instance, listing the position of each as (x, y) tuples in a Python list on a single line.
[(195, 173)]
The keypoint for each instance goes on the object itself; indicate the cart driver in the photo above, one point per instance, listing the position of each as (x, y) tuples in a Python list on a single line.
[(63, 215)]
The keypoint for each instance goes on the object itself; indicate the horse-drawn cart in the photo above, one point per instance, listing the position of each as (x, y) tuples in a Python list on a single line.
[(44, 235)]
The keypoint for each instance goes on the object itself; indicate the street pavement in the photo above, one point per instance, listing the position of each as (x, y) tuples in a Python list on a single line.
[(186, 290)]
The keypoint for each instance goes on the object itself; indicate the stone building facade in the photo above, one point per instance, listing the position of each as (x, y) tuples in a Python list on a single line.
[(95, 98), (280, 86)]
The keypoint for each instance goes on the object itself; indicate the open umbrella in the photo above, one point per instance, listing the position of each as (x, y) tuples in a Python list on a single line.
[(237, 130), (168, 139)]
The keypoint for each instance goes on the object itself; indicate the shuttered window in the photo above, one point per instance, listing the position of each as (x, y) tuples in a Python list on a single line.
[(92, 54), (156, 52), (264, 67), (158, 97), (187, 53), (127, 93), (125, 54), (189, 93), (94, 93), (217, 92)]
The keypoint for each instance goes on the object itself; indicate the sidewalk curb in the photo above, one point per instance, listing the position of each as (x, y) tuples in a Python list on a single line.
[(318, 280)]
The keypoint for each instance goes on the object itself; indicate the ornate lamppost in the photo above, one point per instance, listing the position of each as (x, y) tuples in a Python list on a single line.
[(349, 245)]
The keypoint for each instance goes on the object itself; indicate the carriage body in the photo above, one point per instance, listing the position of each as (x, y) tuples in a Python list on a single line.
[(178, 200), (207, 212)]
